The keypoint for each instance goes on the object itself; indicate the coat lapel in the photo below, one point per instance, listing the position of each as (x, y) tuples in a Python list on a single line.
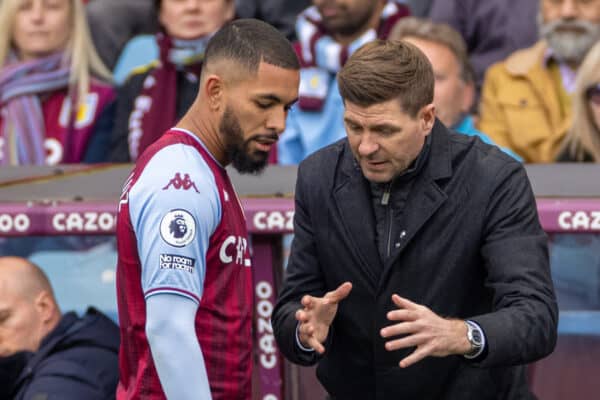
[(353, 201)]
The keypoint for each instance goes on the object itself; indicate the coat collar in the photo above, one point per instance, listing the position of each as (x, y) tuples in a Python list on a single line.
[(522, 62), (352, 197)]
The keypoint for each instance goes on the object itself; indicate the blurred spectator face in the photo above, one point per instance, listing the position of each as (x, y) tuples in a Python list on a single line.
[(193, 19), (593, 97), (571, 27), (384, 139), (41, 27), (22, 324), (347, 17), (255, 115), (453, 97)]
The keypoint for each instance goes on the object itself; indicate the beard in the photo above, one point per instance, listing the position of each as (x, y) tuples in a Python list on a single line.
[(570, 40), (350, 22), (238, 150)]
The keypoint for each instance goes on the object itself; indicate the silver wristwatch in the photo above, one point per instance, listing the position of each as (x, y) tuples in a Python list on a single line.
[(476, 338)]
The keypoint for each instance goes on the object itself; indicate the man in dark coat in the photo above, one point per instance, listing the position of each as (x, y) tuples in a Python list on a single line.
[(45, 355), (419, 269)]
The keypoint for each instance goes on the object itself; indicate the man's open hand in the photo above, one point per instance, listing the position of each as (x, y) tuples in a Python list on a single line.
[(420, 327), (317, 315)]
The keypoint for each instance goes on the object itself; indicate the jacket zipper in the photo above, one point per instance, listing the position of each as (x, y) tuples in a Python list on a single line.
[(385, 201)]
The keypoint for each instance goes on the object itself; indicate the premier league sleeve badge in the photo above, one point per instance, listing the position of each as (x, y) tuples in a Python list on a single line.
[(178, 228)]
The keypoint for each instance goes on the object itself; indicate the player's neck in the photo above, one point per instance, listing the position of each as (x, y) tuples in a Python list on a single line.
[(207, 131)]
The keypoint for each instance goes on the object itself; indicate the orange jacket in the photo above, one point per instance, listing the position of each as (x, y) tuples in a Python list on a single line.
[(520, 106)]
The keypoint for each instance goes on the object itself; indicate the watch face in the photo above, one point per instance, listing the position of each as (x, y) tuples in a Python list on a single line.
[(476, 335)]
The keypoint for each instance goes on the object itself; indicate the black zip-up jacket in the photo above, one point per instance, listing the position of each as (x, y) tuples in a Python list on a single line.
[(77, 360)]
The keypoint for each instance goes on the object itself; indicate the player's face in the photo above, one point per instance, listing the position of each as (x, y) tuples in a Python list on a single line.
[(255, 115), (346, 17), (21, 324), (41, 27), (193, 19), (384, 139)]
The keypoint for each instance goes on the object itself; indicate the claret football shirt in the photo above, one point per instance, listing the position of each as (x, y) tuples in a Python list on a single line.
[(181, 230)]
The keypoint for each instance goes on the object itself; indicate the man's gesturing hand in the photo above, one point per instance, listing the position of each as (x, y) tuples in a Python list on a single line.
[(420, 327), (317, 315)]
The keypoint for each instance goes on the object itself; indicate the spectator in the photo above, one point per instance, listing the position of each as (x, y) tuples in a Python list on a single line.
[(582, 142), (492, 29), (526, 102), (328, 33), (114, 22), (454, 89), (49, 63), (419, 8), (155, 97), (281, 14), (47, 355)]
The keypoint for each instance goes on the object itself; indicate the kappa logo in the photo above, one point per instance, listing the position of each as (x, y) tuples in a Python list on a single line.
[(178, 183)]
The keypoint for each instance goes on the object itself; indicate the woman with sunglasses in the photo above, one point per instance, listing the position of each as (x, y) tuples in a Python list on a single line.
[(53, 106), (582, 143)]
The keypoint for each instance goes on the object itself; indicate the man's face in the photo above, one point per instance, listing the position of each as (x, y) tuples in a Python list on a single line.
[(453, 97), (255, 115), (41, 27), (384, 139), (193, 19), (346, 17), (21, 326), (571, 27)]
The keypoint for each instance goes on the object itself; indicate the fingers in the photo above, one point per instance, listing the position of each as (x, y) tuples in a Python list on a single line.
[(404, 328), (339, 294), (306, 332), (316, 345), (416, 356), (302, 316), (401, 302), (402, 315), (405, 342), (308, 301)]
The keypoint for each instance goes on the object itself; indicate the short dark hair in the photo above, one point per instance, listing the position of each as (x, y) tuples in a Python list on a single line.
[(384, 70), (248, 42), (436, 32)]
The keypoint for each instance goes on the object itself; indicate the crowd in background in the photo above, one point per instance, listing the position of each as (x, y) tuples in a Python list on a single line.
[(515, 78)]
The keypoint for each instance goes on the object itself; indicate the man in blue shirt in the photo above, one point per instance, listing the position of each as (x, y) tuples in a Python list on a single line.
[(454, 91), (328, 33)]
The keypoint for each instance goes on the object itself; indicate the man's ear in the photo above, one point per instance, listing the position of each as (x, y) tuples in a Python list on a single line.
[(468, 97), (214, 90), (230, 10), (45, 306), (427, 117)]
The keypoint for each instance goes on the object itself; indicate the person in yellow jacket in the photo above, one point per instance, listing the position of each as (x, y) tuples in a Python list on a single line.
[(526, 104)]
